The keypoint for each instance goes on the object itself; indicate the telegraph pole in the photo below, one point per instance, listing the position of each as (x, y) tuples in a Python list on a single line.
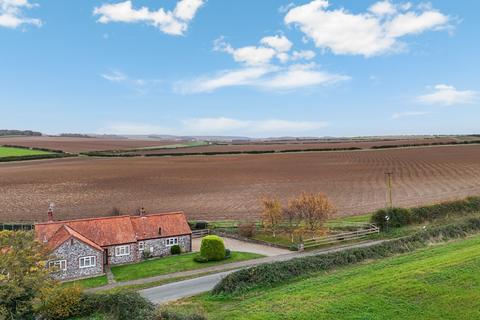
[(389, 175)]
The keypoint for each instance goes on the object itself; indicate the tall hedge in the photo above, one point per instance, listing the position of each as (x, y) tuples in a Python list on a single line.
[(270, 274), (212, 248), (400, 217)]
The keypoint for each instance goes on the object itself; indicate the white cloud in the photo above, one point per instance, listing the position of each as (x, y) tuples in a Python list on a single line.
[(258, 68), (219, 126), (383, 8), (279, 43), (12, 14), (265, 78), (141, 86), (171, 22), (398, 115), (371, 33), (448, 95), (303, 54)]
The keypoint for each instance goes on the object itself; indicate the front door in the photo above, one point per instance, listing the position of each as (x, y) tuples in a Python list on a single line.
[(105, 259)]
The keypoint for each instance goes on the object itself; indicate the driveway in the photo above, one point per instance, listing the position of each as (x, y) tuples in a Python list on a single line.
[(238, 245)]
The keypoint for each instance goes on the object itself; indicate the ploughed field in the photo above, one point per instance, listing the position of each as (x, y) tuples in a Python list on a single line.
[(72, 144), (229, 187)]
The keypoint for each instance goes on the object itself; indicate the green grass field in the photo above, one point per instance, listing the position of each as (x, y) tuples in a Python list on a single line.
[(18, 152), (87, 283), (440, 282), (184, 262)]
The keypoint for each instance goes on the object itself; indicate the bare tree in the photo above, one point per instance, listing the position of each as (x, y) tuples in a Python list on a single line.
[(293, 218), (271, 214), (315, 209), (115, 211)]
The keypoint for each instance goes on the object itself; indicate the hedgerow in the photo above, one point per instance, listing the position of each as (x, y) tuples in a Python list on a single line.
[(400, 217), (266, 275)]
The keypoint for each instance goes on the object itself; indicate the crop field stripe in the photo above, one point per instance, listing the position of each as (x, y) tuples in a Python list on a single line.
[(439, 282), (19, 152)]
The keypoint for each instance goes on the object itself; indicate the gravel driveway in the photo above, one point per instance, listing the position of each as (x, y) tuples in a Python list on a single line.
[(237, 245)]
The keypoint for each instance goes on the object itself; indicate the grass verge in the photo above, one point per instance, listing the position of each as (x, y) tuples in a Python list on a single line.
[(172, 264), (88, 283)]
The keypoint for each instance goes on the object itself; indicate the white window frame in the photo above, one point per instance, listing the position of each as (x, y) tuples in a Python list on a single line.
[(171, 241), (58, 264), (141, 246), (121, 251), (92, 262)]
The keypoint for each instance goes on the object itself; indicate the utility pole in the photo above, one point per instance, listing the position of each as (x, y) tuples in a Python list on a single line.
[(389, 175)]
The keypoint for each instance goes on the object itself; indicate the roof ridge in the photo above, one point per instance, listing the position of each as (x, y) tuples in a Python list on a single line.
[(111, 217)]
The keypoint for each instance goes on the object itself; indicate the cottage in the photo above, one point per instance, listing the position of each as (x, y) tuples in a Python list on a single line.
[(82, 248)]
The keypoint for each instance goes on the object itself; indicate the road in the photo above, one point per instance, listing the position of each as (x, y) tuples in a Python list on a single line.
[(187, 288)]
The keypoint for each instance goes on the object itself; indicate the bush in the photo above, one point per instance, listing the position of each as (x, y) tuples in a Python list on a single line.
[(122, 305), (146, 254), (228, 253), (278, 272), (175, 249), (201, 225), (247, 230), (398, 217), (61, 303), (212, 248)]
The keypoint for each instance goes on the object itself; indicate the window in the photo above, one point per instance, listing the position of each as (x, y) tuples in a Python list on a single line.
[(122, 251), (87, 262), (58, 264), (141, 246), (172, 241)]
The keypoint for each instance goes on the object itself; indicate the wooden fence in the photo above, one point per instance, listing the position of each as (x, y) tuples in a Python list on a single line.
[(340, 237), (200, 233)]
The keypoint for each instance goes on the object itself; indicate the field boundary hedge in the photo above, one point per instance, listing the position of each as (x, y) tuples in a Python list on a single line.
[(389, 146), (402, 216), (36, 157), (279, 272)]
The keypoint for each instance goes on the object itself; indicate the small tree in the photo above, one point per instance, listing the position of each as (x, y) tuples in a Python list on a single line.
[(22, 274), (315, 209), (115, 211), (271, 214), (293, 219)]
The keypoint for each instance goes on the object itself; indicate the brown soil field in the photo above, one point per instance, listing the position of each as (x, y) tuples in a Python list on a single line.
[(298, 145), (229, 187), (68, 144)]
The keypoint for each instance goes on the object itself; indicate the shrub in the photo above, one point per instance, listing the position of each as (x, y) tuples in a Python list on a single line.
[(274, 273), (122, 305), (228, 253), (61, 303), (212, 248), (398, 217), (146, 254), (247, 230), (201, 225), (175, 249)]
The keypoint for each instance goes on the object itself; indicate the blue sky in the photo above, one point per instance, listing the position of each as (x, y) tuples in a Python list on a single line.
[(250, 68)]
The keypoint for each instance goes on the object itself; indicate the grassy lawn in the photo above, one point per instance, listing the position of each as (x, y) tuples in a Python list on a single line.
[(439, 282), (87, 283), (17, 152), (171, 264)]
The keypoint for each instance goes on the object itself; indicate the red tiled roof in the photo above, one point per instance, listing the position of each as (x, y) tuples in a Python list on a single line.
[(170, 224), (101, 232)]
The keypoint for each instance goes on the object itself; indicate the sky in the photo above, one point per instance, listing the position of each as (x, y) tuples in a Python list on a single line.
[(240, 67)]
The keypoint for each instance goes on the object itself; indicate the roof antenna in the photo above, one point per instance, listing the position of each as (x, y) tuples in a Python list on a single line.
[(51, 206)]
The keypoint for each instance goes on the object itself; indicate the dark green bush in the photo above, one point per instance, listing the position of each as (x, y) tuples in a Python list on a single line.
[(401, 217), (212, 248), (278, 272), (123, 305), (398, 217), (201, 225), (228, 253), (175, 249)]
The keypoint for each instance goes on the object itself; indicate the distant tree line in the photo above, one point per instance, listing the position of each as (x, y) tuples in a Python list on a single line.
[(4, 132)]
